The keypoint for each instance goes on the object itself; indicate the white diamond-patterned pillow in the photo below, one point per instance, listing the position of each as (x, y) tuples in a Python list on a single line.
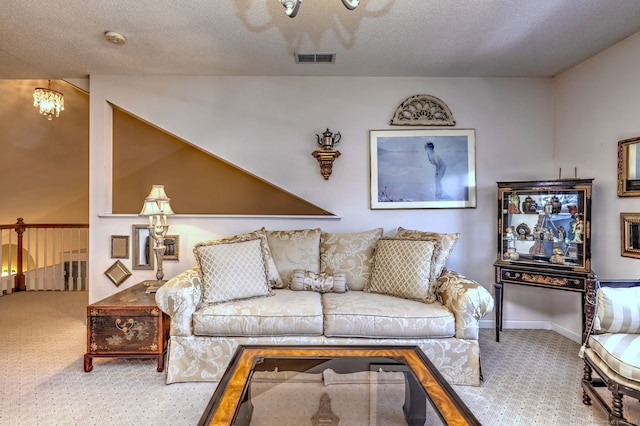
[(402, 268), (442, 251), (232, 271)]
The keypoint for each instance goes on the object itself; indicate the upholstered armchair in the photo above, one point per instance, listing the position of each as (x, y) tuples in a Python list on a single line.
[(611, 347)]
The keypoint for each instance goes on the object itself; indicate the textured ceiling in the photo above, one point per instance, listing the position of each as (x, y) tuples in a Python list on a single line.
[(502, 38)]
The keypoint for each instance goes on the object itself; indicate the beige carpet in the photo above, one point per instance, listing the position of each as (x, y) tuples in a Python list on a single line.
[(531, 377)]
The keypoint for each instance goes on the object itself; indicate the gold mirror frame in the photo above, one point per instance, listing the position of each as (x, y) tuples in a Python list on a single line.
[(119, 246), (630, 234), (117, 273), (143, 257), (628, 167)]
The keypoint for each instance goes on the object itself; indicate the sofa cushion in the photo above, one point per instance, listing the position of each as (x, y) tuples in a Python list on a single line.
[(286, 313), (231, 270), (351, 253), (297, 249), (618, 310), (272, 271), (361, 314), (323, 283), (445, 243), (620, 351), (402, 268)]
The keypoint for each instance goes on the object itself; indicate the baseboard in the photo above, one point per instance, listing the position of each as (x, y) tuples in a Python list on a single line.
[(569, 334), (534, 325), (518, 324)]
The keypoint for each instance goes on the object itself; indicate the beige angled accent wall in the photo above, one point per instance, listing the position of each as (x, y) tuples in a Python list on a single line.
[(196, 181)]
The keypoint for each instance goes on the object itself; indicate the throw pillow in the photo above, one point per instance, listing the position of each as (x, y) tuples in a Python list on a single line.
[(445, 243), (272, 271), (297, 249), (402, 268), (231, 270), (618, 310), (351, 253), (302, 280)]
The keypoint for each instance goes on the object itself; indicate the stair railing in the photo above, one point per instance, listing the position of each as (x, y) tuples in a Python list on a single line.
[(43, 256)]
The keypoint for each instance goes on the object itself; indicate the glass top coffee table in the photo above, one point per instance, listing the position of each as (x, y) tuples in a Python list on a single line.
[(331, 385)]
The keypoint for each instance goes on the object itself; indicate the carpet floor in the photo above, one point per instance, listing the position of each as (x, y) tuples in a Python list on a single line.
[(532, 377)]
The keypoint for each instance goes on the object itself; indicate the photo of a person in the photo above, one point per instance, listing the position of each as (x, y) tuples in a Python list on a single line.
[(417, 170), (440, 166)]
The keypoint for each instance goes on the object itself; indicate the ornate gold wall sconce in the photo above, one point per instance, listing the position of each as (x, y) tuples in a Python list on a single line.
[(327, 155)]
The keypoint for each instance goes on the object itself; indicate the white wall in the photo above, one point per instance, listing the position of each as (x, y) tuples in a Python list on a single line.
[(266, 125), (596, 104)]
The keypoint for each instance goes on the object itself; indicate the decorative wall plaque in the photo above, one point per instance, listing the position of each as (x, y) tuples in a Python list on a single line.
[(423, 110)]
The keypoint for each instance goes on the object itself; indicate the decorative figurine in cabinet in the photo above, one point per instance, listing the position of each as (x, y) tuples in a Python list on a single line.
[(544, 236)]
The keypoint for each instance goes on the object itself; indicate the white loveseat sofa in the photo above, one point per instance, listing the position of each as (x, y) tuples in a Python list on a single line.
[(308, 287)]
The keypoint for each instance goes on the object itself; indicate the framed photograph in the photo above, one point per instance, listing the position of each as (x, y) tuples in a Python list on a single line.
[(172, 250), (423, 169), (630, 234), (142, 247), (119, 246), (117, 273)]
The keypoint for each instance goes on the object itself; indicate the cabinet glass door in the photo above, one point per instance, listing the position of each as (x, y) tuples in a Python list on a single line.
[(544, 227)]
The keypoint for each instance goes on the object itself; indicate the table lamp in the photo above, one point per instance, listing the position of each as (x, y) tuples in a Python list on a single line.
[(157, 208)]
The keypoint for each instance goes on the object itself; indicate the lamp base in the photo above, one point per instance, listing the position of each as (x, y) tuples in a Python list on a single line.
[(153, 285)]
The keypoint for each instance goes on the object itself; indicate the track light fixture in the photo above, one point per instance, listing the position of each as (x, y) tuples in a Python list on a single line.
[(293, 6)]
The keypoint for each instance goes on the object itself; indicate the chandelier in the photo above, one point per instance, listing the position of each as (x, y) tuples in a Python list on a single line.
[(293, 6), (49, 101)]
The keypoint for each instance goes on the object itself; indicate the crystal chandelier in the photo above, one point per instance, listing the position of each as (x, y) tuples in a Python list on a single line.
[(293, 6), (49, 101)]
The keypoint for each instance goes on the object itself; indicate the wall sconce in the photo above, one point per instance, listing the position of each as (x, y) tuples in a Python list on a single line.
[(157, 207), (327, 155)]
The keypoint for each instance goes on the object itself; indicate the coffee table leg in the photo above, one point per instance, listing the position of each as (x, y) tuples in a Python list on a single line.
[(415, 402)]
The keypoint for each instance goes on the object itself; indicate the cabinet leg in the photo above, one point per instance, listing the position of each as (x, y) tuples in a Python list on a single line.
[(88, 363), (498, 308)]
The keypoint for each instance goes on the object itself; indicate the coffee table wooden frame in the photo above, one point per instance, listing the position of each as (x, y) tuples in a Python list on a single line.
[(226, 400)]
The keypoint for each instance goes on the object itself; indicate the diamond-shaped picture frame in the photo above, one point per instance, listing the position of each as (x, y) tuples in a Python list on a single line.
[(117, 273)]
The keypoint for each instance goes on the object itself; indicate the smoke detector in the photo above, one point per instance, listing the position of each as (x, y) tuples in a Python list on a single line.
[(115, 38)]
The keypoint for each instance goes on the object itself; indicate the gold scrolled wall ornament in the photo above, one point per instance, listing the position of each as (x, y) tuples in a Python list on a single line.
[(423, 110)]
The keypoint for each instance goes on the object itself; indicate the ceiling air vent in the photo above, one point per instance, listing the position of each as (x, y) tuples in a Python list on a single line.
[(315, 58)]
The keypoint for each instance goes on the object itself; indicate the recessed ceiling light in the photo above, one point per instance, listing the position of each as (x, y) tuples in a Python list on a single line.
[(114, 37)]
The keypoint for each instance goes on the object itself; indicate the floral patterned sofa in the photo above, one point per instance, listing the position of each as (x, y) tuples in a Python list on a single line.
[(308, 287)]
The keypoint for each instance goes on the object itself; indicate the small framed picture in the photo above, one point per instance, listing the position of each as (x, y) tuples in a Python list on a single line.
[(119, 246), (423, 169), (142, 247), (117, 273), (172, 247)]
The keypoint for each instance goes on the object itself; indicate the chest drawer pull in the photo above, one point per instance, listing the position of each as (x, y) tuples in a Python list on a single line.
[(124, 327)]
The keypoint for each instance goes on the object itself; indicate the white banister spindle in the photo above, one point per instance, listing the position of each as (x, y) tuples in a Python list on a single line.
[(53, 257)]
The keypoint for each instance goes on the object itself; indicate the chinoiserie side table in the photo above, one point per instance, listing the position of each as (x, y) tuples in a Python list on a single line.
[(127, 324)]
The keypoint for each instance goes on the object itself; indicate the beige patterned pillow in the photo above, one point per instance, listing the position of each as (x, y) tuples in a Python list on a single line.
[(302, 280), (445, 243), (351, 253), (618, 310), (297, 249), (402, 268), (231, 270), (272, 271)]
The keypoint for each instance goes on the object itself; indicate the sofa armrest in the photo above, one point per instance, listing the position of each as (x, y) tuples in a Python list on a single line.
[(179, 298), (468, 301)]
